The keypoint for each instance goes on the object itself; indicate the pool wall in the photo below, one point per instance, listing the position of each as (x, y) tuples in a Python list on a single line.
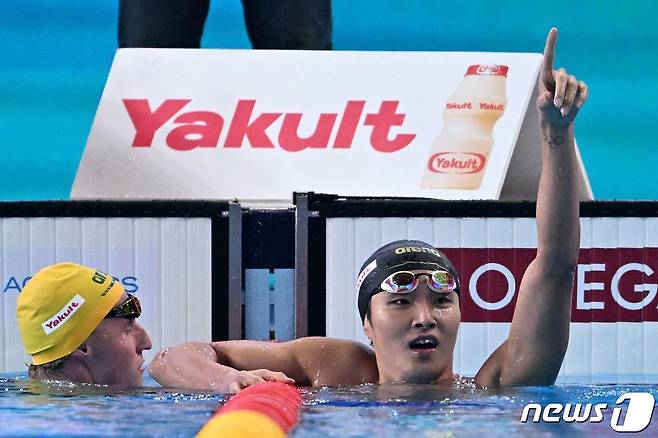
[(221, 271)]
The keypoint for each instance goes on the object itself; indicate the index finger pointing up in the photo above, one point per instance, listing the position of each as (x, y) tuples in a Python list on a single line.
[(549, 57)]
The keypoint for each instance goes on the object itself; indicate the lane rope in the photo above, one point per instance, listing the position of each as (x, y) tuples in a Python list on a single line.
[(267, 410)]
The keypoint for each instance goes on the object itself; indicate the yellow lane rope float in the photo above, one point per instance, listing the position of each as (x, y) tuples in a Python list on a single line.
[(265, 410)]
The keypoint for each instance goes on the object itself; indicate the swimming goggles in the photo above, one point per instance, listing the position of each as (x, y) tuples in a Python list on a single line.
[(404, 282), (131, 308)]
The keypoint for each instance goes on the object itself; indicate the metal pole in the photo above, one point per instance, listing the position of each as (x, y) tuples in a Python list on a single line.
[(234, 270), (301, 265)]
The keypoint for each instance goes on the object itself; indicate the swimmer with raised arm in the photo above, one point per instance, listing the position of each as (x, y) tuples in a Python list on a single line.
[(409, 300)]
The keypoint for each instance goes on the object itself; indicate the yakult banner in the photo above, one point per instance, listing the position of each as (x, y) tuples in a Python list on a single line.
[(614, 309), (259, 125)]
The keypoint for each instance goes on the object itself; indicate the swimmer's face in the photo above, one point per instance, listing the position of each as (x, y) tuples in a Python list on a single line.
[(414, 334), (114, 351)]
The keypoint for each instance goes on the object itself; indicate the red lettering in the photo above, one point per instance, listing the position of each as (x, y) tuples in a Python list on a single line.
[(202, 131), (146, 123), (455, 105), (382, 122), (289, 140), (348, 124), (491, 106), (446, 162), (204, 128), (254, 131)]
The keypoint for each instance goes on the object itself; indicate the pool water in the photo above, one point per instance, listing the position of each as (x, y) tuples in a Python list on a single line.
[(29, 408)]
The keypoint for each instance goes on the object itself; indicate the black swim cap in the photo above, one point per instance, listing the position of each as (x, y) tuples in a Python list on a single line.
[(397, 256)]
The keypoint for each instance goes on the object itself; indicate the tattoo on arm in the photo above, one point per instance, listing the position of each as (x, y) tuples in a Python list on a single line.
[(554, 141)]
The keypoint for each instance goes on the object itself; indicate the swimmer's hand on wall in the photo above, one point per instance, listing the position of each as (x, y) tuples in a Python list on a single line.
[(561, 95)]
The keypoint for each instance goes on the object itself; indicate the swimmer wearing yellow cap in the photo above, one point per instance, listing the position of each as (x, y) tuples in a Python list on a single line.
[(78, 324)]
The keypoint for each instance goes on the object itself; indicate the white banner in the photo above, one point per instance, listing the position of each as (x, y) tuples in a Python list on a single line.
[(259, 125)]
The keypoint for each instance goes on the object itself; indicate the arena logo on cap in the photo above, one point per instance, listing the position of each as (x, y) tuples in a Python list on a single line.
[(55, 322), (367, 270), (406, 249)]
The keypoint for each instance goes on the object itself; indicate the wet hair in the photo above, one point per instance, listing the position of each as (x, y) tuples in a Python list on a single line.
[(46, 370)]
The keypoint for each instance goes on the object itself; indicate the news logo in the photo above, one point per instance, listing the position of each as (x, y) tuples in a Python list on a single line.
[(638, 412)]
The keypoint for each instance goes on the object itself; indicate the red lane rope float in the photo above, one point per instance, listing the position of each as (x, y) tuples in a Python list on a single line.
[(267, 410)]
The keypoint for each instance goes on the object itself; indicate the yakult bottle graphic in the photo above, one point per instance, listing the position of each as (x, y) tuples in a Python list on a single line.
[(461, 151)]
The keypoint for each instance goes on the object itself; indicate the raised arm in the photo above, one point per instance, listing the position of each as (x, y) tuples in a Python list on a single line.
[(233, 365), (539, 334)]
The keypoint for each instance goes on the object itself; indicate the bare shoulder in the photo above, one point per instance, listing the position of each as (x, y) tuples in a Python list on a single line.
[(335, 362), (311, 361), (336, 345), (345, 350)]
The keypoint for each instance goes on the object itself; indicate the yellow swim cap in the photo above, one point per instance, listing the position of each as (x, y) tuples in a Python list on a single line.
[(61, 306)]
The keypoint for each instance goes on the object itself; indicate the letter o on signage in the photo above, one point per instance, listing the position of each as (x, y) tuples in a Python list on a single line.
[(511, 286)]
